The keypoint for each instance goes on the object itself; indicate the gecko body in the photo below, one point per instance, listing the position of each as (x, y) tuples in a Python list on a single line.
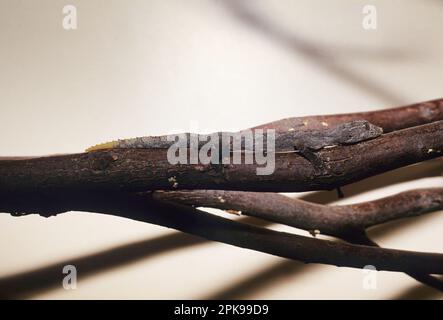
[(344, 134), (306, 142)]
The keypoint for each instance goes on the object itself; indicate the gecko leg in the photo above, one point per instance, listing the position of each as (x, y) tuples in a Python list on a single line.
[(340, 193), (315, 160)]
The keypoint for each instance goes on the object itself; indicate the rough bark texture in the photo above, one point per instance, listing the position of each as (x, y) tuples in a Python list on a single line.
[(347, 222), (115, 182), (331, 220), (196, 222), (142, 170), (389, 119)]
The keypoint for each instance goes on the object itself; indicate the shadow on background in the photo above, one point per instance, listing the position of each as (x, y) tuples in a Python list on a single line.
[(312, 52), (29, 283), (416, 292), (260, 281)]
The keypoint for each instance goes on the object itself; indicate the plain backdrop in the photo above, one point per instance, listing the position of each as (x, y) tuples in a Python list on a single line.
[(136, 68)]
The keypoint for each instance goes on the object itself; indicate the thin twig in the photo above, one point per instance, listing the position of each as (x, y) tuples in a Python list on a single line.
[(196, 222), (362, 238), (102, 181), (391, 119), (347, 222), (331, 220)]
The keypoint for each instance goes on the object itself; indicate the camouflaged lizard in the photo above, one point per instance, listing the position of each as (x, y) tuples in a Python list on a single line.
[(306, 142)]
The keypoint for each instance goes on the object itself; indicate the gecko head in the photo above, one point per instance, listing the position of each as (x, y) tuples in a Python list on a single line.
[(358, 130)]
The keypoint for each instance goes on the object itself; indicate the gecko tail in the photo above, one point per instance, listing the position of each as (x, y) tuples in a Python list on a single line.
[(103, 146)]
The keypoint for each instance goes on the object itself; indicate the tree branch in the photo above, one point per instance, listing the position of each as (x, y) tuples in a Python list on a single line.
[(184, 218), (347, 222), (361, 237), (105, 182), (142, 170), (392, 119), (331, 220)]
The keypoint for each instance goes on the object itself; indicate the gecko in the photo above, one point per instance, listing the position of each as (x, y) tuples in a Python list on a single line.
[(306, 142), (309, 142)]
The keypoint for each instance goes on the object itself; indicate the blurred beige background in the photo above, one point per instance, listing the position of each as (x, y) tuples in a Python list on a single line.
[(135, 68)]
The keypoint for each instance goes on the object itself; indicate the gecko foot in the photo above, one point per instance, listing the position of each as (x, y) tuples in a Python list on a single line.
[(316, 161), (340, 193)]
